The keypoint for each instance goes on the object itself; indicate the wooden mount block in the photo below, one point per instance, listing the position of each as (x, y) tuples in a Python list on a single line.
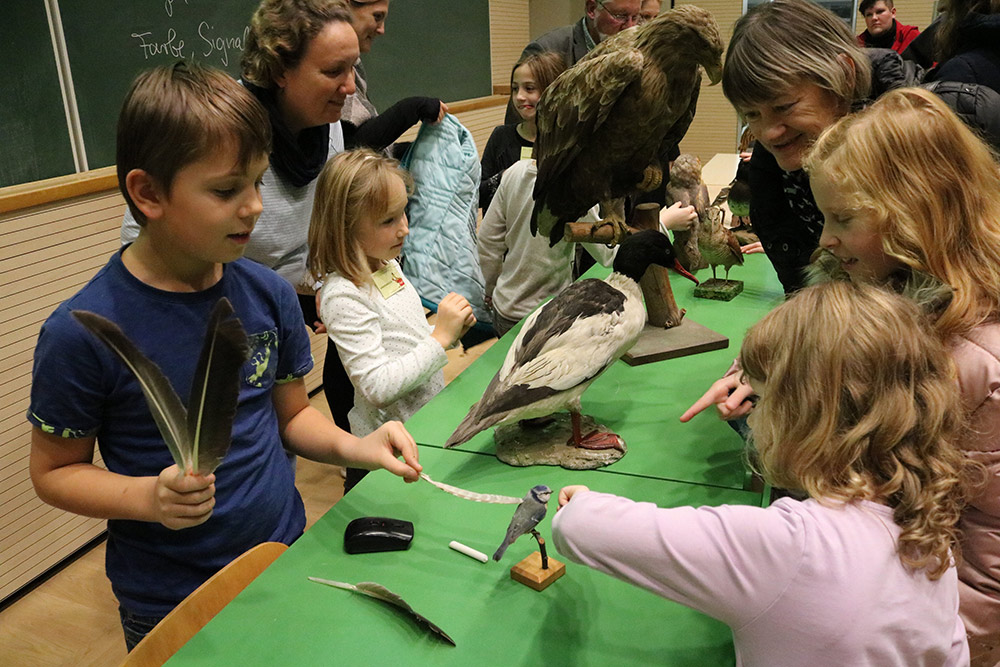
[(646, 216), (658, 344), (719, 290), (530, 573)]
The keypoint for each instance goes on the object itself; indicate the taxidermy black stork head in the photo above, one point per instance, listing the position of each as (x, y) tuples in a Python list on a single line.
[(647, 247)]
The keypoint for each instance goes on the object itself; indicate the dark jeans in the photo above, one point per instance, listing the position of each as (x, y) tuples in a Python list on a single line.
[(336, 384), (135, 626)]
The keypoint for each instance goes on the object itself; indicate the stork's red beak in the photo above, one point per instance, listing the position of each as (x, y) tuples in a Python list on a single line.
[(684, 272)]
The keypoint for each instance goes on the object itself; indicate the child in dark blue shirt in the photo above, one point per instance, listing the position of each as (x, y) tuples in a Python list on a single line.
[(192, 148)]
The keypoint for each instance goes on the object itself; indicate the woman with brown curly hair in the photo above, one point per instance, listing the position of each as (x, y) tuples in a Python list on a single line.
[(299, 62)]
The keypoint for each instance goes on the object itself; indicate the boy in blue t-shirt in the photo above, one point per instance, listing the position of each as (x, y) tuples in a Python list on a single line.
[(192, 148)]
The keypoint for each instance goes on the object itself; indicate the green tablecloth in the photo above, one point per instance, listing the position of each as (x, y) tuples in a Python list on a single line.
[(584, 618), (642, 403)]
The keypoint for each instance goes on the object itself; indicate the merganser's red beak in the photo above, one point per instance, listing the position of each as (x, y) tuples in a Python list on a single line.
[(684, 272)]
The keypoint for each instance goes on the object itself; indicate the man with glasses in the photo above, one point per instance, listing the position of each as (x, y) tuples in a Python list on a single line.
[(602, 19)]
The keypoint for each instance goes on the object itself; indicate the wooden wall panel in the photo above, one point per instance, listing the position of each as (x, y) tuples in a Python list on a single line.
[(509, 33), (910, 12), (46, 254), (715, 124)]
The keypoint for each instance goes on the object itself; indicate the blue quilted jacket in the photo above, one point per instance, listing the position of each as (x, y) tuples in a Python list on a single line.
[(440, 254)]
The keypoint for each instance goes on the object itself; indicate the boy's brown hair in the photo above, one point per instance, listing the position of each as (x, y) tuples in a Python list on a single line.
[(175, 115)]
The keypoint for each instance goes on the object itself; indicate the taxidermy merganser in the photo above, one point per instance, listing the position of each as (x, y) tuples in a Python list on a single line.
[(567, 343)]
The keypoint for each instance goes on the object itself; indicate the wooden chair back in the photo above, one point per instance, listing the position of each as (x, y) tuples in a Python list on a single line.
[(201, 606)]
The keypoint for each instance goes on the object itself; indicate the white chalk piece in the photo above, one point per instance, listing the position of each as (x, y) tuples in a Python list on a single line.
[(468, 551)]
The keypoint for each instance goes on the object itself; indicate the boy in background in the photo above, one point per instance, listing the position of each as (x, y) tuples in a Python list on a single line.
[(192, 148), (882, 29)]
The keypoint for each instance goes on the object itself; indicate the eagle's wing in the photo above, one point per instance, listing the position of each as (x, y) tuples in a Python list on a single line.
[(680, 127), (575, 105)]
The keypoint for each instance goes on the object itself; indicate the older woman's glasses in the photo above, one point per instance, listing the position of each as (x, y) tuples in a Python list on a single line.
[(621, 19)]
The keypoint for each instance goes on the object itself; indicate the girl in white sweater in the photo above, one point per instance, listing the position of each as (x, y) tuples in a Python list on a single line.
[(373, 314)]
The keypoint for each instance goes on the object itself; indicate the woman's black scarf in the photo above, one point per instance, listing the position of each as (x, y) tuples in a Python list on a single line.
[(297, 159)]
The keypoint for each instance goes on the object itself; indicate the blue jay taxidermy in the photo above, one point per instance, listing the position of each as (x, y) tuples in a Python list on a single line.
[(526, 517), (567, 343)]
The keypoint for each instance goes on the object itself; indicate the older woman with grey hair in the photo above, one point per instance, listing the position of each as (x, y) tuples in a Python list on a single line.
[(792, 69)]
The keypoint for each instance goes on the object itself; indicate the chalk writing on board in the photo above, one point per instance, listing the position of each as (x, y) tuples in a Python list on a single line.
[(168, 6), (219, 45), (171, 46), (214, 47)]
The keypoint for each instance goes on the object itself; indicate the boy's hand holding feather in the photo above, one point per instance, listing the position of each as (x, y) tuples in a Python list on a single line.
[(183, 501), (380, 448)]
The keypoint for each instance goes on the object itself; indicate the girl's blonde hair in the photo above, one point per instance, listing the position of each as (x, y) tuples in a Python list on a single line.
[(353, 186), (930, 185), (860, 401), (777, 44)]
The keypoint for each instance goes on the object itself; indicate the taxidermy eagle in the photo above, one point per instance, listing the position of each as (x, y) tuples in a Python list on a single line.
[(603, 123)]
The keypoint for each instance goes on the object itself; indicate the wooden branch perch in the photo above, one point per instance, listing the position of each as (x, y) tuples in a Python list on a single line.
[(661, 307)]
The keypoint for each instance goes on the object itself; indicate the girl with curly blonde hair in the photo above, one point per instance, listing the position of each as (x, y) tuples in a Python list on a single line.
[(910, 199), (858, 409)]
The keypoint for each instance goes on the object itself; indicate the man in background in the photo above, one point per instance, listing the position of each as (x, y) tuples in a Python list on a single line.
[(883, 30), (601, 19), (650, 10)]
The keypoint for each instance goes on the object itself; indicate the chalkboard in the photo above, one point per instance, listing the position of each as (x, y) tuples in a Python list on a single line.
[(110, 41), (34, 139), (438, 48)]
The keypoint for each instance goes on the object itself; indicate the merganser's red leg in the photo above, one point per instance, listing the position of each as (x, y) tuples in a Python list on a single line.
[(594, 439)]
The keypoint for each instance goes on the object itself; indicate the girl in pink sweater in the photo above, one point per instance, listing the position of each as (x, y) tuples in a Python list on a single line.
[(858, 410)]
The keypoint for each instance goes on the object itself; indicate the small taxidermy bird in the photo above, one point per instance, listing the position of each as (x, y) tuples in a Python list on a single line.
[(685, 186), (603, 123), (739, 195), (567, 343), (718, 245), (527, 515), (198, 436)]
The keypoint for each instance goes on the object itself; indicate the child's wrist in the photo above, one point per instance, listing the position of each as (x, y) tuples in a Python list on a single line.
[(443, 339)]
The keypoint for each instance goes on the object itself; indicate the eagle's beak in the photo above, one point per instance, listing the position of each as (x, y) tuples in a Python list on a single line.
[(714, 73)]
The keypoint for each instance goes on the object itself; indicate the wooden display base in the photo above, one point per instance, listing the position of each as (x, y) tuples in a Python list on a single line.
[(687, 338), (719, 290), (530, 573)]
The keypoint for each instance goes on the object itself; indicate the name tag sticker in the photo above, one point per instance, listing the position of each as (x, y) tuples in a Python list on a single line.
[(388, 280), (526, 152)]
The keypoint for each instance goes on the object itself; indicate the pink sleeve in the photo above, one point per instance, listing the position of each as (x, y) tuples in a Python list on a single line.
[(979, 379), (730, 562)]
